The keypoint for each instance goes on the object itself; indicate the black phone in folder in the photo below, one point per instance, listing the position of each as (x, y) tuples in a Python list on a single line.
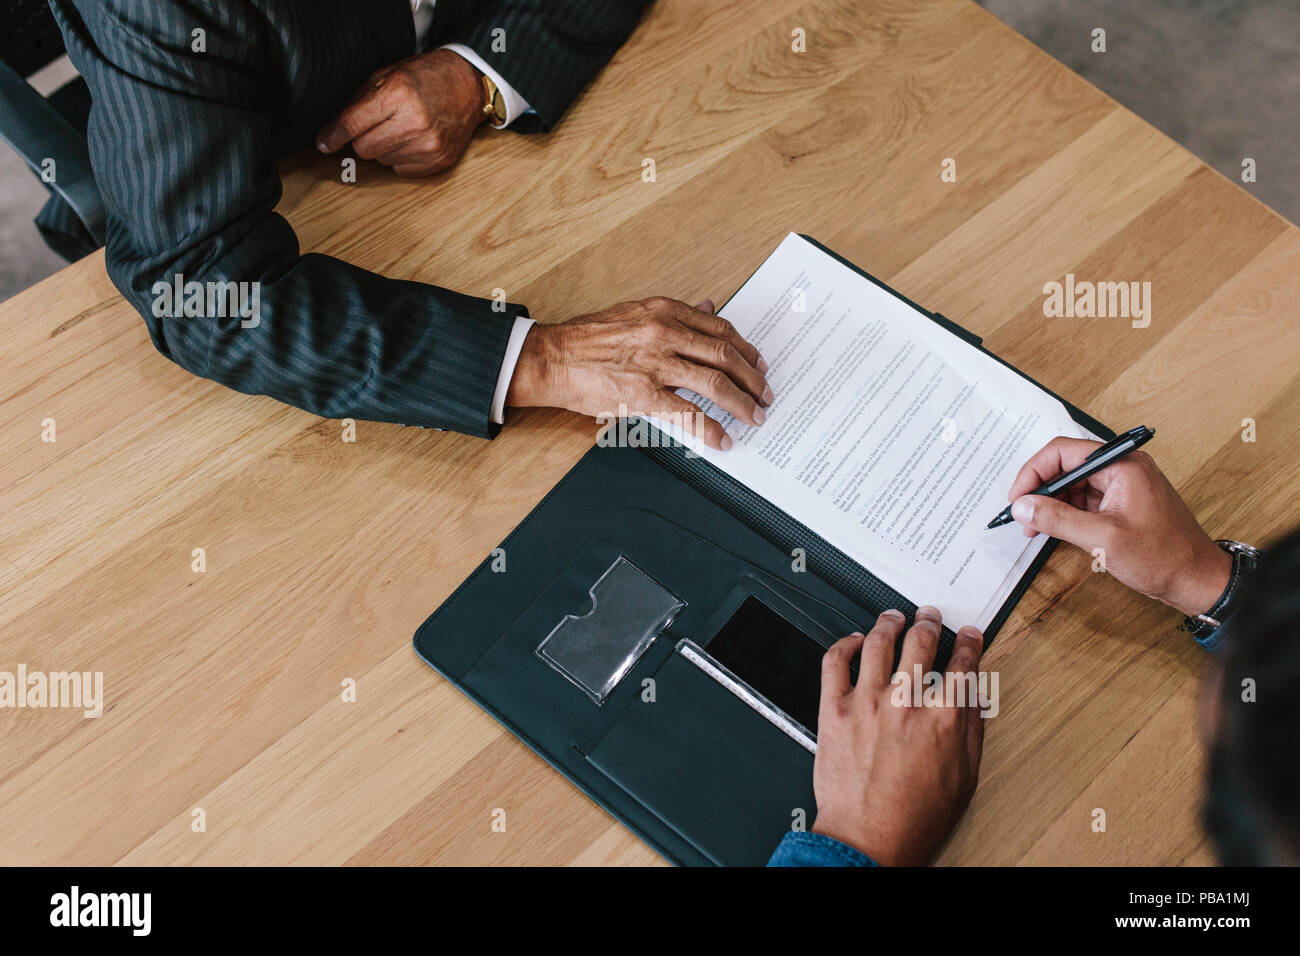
[(652, 639)]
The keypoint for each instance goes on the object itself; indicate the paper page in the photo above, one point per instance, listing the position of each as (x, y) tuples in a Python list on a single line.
[(890, 437)]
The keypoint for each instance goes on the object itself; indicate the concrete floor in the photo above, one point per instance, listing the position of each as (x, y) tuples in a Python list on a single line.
[(1222, 77), (24, 257)]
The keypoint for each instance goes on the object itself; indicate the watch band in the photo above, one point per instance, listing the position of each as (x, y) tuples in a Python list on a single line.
[(1245, 558)]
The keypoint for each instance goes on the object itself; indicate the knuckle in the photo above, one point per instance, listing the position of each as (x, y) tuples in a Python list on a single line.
[(646, 363), (963, 661), (832, 660), (621, 312), (926, 634), (649, 335), (399, 80), (880, 637)]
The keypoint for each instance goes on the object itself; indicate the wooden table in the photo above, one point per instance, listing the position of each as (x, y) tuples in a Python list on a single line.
[(225, 688)]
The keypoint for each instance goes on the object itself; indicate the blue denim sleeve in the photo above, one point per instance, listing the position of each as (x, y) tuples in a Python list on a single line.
[(1211, 642), (799, 848)]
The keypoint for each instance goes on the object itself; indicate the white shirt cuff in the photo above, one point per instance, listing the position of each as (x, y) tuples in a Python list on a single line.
[(516, 105), (513, 347)]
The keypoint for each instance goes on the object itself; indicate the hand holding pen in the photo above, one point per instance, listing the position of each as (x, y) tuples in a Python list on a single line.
[(1103, 455), (1127, 515)]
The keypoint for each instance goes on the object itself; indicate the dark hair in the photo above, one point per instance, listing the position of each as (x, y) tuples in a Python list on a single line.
[(1252, 808)]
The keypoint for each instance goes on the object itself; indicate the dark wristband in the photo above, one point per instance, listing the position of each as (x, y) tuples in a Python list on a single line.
[(1245, 558)]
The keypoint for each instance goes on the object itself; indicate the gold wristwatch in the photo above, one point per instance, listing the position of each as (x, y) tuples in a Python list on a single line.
[(495, 107)]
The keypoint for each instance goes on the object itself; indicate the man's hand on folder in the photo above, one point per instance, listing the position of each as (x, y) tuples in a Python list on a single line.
[(891, 778), (1128, 516), (635, 355)]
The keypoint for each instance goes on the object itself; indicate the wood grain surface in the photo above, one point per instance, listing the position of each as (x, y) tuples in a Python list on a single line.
[(224, 688)]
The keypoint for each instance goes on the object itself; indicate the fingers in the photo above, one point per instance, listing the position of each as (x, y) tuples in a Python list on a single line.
[(414, 170), (966, 660), (715, 385), (383, 142), (966, 651), (837, 678), (721, 354), (877, 664), (975, 722), (1057, 456), (416, 162), (708, 356), (705, 305), (694, 421), (1039, 514), (363, 114), (419, 154), (922, 641), (719, 328)]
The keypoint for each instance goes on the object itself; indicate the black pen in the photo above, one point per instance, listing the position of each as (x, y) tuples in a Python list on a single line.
[(1107, 454)]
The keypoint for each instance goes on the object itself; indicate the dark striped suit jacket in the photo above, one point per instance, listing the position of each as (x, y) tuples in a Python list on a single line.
[(184, 145)]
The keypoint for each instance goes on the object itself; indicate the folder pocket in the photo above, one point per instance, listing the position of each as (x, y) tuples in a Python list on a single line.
[(627, 610), (709, 766)]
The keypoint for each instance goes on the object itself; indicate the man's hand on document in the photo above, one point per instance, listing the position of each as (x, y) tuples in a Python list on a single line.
[(635, 355), (892, 778), (1131, 518)]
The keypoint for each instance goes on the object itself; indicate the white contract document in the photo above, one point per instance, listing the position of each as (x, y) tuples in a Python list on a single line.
[(891, 437)]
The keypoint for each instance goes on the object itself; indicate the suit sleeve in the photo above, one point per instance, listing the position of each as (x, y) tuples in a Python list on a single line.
[(184, 154), (552, 48)]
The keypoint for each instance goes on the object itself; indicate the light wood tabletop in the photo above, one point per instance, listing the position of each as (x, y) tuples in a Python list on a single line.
[(225, 688)]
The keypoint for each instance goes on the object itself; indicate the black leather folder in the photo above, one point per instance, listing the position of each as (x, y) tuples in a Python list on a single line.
[(703, 754)]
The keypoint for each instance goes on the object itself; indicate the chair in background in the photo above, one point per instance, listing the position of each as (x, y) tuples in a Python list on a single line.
[(40, 129)]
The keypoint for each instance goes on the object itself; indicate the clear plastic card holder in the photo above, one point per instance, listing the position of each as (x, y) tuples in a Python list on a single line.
[(595, 649)]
